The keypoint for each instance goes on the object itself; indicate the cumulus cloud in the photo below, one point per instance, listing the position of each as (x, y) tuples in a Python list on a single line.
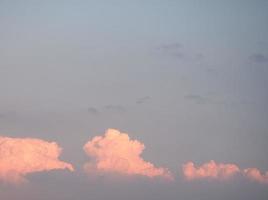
[(255, 175), (21, 156), (116, 152), (221, 171), (209, 170)]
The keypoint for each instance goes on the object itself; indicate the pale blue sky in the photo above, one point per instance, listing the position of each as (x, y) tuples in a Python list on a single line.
[(187, 78)]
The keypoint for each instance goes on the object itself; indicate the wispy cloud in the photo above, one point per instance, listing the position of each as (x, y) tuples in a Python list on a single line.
[(115, 108), (259, 58), (171, 46), (172, 49), (177, 50), (196, 98), (111, 108), (116, 152), (143, 100), (93, 111), (19, 157)]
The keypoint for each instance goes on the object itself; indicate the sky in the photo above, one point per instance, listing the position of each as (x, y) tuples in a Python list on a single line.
[(142, 100)]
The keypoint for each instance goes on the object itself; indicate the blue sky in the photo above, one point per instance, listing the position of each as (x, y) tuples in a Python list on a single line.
[(187, 78)]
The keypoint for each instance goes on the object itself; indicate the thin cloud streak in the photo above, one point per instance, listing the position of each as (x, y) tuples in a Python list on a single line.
[(258, 58), (143, 100)]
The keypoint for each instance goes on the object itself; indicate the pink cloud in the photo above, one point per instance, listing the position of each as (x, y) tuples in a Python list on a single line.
[(19, 157), (209, 170), (256, 175), (116, 152)]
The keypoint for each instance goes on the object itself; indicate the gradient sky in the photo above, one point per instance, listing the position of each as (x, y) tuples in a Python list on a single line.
[(188, 79)]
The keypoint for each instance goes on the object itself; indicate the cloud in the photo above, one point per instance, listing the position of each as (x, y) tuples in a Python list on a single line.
[(19, 157), (259, 58), (93, 111), (115, 108), (116, 152), (209, 170), (221, 171), (171, 46), (196, 98), (172, 49), (255, 174), (177, 50), (143, 100)]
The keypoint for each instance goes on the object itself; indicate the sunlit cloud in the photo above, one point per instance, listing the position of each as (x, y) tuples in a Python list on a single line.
[(209, 170), (115, 152), (22, 156), (255, 175), (221, 171)]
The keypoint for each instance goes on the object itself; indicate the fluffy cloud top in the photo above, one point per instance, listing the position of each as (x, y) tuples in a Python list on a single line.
[(19, 157), (209, 170), (221, 171), (256, 175), (116, 152)]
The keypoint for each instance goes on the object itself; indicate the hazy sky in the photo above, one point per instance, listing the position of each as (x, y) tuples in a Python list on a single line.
[(186, 78)]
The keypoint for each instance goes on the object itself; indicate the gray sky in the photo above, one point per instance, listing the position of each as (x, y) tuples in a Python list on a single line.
[(186, 78)]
